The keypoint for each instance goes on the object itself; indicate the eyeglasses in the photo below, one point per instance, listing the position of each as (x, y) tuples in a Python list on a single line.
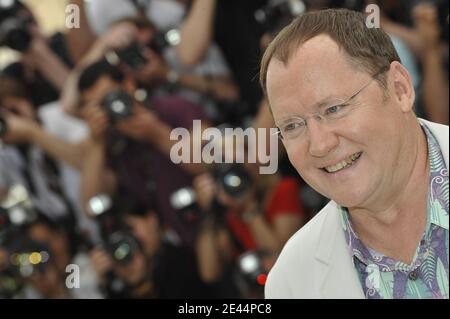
[(297, 126)]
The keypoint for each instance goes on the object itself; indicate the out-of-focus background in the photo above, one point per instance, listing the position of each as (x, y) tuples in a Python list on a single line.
[(51, 17), (85, 118)]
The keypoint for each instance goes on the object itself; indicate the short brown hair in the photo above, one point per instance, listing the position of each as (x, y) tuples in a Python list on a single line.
[(370, 49), (11, 87)]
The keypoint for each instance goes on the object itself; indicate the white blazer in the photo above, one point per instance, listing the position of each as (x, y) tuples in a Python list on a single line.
[(316, 262)]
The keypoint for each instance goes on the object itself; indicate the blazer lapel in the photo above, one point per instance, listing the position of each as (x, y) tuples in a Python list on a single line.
[(334, 261)]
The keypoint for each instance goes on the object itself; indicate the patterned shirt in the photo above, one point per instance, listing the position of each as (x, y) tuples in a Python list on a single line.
[(427, 276)]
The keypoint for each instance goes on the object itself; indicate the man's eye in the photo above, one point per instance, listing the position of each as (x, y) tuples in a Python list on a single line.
[(333, 110), (292, 126)]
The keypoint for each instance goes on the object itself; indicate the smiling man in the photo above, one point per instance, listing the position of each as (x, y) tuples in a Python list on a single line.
[(343, 104)]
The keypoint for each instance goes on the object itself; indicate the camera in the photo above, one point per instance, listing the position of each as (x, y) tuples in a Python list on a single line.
[(250, 269), (3, 127), (16, 210), (118, 105), (234, 180), (278, 13), (355, 5), (25, 258), (164, 39), (116, 240), (121, 245), (14, 26), (131, 56)]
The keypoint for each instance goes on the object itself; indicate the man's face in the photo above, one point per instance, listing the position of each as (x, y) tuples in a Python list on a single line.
[(145, 229), (95, 94), (319, 72), (56, 241), (19, 106)]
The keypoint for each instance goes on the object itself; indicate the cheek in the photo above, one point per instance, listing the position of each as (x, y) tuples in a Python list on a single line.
[(298, 156), (141, 231)]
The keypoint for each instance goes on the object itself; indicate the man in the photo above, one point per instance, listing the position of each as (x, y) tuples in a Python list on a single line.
[(153, 271), (45, 61), (132, 154), (343, 104), (26, 158)]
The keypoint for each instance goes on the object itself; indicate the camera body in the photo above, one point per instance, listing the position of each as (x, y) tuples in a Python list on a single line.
[(165, 39), (14, 26), (131, 55), (232, 178), (122, 246), (16, 210), (118, 105), (278, 13), (355, 5), (25, 258), (117, 241)]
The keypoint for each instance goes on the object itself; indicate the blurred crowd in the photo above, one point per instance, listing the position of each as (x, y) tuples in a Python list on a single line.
[(85, 121)]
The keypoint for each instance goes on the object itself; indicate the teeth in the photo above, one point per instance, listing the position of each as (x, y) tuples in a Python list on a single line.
[(349, 161)]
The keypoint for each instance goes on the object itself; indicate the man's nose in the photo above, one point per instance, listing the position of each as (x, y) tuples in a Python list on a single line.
[(321, 139)]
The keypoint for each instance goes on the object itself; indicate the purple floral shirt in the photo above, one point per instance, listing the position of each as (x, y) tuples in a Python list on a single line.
[(427, 276)]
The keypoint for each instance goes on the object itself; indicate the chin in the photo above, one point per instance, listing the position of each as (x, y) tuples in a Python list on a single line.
[(348, 199)]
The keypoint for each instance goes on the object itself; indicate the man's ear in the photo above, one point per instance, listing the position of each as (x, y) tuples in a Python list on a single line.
[(403, 87)]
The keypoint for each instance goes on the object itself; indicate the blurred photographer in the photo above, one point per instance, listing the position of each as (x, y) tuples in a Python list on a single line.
[(37, 251), (45, 62), (129, 146), (64, 249), (153, 267), (30, 271), (29, 156), (434, 58), (138, 48), (192, 19), (208, 83), (243, 211)]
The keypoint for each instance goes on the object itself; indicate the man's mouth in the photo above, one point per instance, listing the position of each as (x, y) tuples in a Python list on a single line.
[(344, 164)]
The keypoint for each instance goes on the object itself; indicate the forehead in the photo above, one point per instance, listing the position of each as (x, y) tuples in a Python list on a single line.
[(317, 70)]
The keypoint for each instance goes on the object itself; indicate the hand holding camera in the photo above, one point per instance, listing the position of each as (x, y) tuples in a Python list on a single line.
[(15, 129), (205, 187), (155, 71), (97, 120), (101, 261), (230, 186), (119, 36), (140, 125), (15, 26)]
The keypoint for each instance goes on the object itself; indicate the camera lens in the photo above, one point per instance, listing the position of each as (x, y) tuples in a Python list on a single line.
[(235, 180), (14, 34), (118, 105), (132, 56), (122, 246)]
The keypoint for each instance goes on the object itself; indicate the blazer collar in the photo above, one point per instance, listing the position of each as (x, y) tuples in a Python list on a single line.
[(337, 273)]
